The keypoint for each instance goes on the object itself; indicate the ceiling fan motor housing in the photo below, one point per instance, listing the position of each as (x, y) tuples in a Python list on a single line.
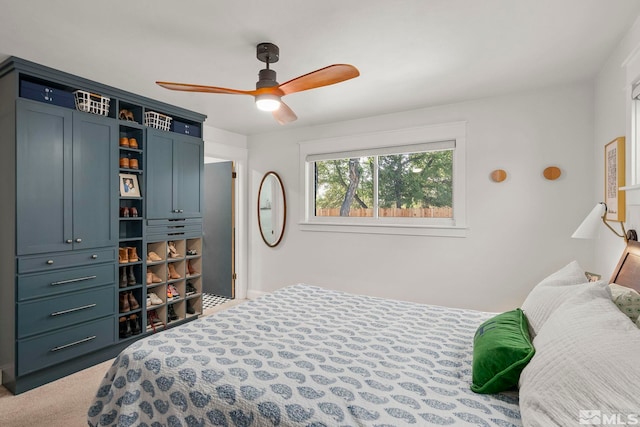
[(267, 78)]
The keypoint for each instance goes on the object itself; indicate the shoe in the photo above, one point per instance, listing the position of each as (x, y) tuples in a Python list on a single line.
[(149, 277), (190, 268), (190, 289), (132, 141), (132, 254), (125, 328), (153, 257), (173, 274), (172, 251), (124, 302), (172, 313), (174, 291), (153, 320), (123, 278), (190, 308), (133, 303), (169, 294), (134, 324), (134, 212), (124, 162), (124, 212), (155, 278), (192, 252), (133, 163), (153, 299), (131, 278), (123, 258), (124, 142)]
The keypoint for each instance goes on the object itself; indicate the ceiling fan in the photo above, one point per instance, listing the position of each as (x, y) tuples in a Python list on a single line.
[(268, 93)]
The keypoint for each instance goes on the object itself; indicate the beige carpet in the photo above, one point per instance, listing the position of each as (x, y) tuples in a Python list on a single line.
[(62, 403)]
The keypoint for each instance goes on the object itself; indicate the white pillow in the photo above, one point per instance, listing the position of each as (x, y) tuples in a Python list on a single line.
[(627, 300), (550, 293), (586, 360)]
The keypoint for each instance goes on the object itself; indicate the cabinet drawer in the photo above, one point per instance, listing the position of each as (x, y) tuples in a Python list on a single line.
[(43, 351), (173, 229), (67, 259), (47, 314), (60, 281)]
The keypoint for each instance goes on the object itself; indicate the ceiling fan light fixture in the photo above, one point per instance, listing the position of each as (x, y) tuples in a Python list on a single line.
[(267, 102)]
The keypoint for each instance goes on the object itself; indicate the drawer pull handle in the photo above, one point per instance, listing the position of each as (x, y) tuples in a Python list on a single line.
[(68, 241), (62, 347), (180, 210), (50, 262), (94, 256), (71, 310), (64, 282), (78, 240)]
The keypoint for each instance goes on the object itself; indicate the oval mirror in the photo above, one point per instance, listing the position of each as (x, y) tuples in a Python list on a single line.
[(272, 209)]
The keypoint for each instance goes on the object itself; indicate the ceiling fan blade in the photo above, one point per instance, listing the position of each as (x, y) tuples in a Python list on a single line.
[(323, 77), (186, 87), (284, 114)]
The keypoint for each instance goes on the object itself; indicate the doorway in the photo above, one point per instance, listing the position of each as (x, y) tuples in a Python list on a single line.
[(218, 247)]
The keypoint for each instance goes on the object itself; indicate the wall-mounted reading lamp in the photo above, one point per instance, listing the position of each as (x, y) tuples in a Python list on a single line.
[(589, 227)]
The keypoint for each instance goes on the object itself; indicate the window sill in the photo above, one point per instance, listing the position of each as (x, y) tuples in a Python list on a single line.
[(394, 229)]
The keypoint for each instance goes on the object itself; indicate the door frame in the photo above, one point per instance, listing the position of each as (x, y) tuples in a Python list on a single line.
[(239, 156)]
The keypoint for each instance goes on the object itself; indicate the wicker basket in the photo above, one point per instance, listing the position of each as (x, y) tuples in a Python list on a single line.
[(157, 120), (91, 102)]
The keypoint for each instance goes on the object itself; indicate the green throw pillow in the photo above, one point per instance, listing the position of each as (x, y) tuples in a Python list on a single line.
[(501, 349)]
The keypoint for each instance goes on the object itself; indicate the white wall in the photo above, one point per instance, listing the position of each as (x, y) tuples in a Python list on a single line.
[(519, 230), (612, 118)]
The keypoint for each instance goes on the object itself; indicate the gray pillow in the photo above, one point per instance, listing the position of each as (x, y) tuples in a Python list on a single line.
[(585, 362), (550, 293)]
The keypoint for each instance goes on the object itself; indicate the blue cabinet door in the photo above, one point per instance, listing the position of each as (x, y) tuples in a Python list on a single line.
[(43, 178), (95, 183), (159, 169), (174, 175), (188, 172)]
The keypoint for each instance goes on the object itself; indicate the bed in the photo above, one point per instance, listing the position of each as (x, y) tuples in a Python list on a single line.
[(308, 356)]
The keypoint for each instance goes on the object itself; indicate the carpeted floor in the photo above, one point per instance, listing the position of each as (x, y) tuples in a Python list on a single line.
[(62, 403)]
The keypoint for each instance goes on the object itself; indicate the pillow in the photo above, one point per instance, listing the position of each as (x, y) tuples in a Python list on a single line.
[(501, 349), (627, 300), (550, 293), (586, 360)]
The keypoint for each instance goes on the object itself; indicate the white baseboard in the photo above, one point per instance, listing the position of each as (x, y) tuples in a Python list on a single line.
[(255, 294)]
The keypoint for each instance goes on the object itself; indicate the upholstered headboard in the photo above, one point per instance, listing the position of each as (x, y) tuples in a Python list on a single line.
[(627, 272)]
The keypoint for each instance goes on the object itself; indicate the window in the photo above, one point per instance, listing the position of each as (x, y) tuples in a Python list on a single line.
[(408, 181)]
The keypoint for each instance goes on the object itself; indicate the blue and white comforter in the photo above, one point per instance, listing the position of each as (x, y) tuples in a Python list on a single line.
[(305, 356)]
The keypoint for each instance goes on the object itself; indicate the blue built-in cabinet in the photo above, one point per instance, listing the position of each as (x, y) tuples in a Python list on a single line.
[(175, 170), (62, 155), (66, 222)]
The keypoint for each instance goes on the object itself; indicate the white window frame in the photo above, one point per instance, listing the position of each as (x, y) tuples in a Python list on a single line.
[(313, 150)]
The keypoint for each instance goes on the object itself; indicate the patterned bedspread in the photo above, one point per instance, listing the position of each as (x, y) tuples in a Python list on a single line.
[(305, 356)]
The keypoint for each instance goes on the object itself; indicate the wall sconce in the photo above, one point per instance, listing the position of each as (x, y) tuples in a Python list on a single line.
[(589, 227)]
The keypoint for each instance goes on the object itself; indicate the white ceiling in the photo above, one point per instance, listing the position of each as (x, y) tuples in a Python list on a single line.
[(410, 53)]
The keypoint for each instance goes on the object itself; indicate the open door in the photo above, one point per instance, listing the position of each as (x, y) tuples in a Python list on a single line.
[(219, 229)]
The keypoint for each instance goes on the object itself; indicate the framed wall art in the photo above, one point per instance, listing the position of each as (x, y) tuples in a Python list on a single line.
[(614, 172), (129, 185)]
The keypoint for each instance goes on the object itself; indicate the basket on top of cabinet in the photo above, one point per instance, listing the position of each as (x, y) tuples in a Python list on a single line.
[(91, 102), (157, 120)]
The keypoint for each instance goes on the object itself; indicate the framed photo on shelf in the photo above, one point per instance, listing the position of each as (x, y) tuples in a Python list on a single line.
[(614, 171), (129, 185)]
